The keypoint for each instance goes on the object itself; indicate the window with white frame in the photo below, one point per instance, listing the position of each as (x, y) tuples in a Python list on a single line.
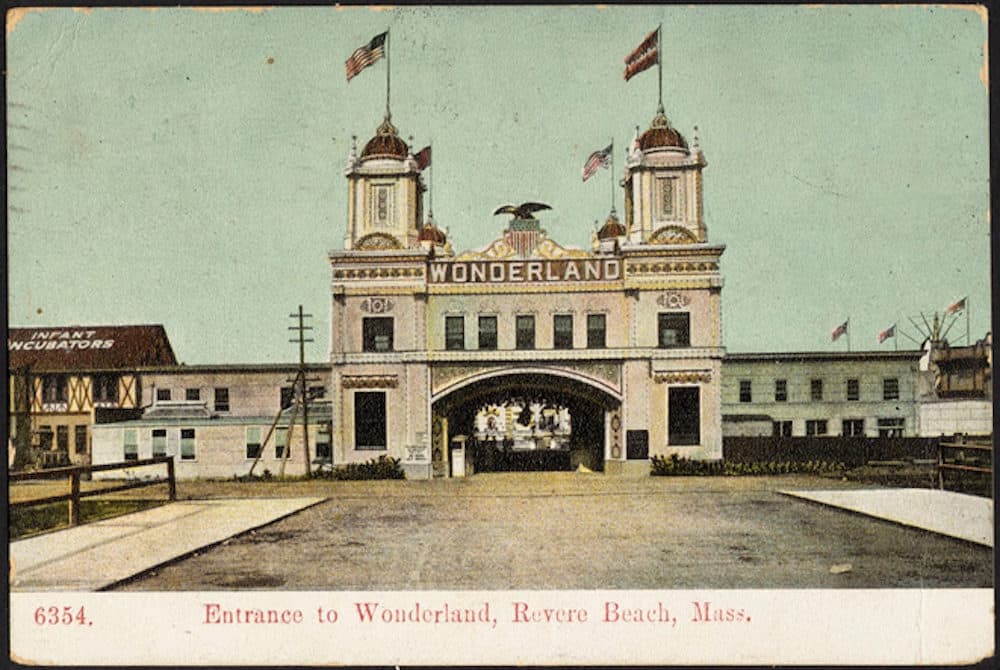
[(188, 452), (130, 445), (891, 427), (159, 439)]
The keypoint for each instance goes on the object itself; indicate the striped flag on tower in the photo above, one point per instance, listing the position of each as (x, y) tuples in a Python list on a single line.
[(838, 331), (596, 160), (887, 333), (366, 55), (644, 56), (955, 307)]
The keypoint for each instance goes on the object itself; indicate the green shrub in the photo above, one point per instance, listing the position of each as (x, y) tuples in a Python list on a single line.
[(676, 466), (383, 467)]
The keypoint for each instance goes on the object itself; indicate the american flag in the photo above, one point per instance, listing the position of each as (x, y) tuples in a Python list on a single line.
[(955, 307), (838, 331), (643, 56), (598, 159), (887, 333), (366, 55)]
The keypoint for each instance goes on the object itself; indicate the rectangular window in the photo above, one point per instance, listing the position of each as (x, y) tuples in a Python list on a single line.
[(105, 389), (382, 205), (80, 439), (130, 445), (44, 438), (636, 444), (853, 428), (853, 389), (323, 450), (192, 394), (221, 399), (674, 329), (62, 438), (316, 392), (669, 199), (781, 429), (253, 441), (746, 390), (780, 390), (377, 334), (280, 442), (816, 427), (55, 388), (684, 416), (454, 333), (287, 397), (369, 420), (187, 444), (891, 427), (159, 442), (816, 389), (597, 328), (525, 331), (562, 331), (162, 394), (890, 388), (487, 332)]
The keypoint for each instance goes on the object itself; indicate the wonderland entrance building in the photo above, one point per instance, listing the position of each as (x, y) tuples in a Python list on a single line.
[(526, 353)]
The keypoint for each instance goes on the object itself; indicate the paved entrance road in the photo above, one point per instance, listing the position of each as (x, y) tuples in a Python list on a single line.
[(576, 531)]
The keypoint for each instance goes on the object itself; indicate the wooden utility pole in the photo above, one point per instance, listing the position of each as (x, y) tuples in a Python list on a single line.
[(303, 387)]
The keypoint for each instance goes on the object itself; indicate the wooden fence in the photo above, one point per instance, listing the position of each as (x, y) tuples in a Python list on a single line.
[(73, 479), (964, 455)]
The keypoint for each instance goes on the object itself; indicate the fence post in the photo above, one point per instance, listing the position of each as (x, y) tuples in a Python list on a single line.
[(74, 501), (171, 481)]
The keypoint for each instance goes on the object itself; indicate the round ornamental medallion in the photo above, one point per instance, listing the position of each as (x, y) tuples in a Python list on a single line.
[(616, 423), (673, 300), (616, 452), (377, 305)]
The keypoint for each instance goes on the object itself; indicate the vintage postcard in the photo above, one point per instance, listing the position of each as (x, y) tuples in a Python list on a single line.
[(433, 335)]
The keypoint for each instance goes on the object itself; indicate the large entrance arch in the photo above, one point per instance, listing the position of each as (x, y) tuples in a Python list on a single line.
[(524, 419)]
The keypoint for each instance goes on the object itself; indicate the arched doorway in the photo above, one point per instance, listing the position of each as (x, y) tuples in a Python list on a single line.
[(523, 420)]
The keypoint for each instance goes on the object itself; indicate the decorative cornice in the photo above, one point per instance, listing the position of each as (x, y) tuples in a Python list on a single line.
[(369, 381), (683, 377), (634, 268), (379, 272)]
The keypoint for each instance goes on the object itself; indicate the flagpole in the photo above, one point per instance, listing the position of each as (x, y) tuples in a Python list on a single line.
[(659, 60), (848, 334), (895, 340), (388, 61), (612, 174), (968, 340)]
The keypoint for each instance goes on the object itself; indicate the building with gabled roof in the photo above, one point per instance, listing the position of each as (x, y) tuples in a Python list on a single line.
[(63, 379)]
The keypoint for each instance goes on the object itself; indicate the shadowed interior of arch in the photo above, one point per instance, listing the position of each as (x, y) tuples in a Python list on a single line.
[(528, 421)]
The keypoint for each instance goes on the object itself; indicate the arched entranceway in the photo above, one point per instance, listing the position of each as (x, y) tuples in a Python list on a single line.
[(523, 420)]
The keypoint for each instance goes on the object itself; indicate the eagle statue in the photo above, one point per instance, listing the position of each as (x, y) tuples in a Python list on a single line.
[(522, 211)]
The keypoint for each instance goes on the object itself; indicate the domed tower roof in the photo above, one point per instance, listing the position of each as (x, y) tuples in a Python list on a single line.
[(386, 143), (611, 228), (661, 134), (431, 233)]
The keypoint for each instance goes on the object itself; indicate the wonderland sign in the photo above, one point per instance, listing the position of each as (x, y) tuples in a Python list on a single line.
[(522, 272)]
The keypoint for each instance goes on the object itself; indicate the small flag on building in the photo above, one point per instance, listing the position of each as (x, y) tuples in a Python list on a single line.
[(955, 307), (596, 160), (366, 55), (423, 158), (644, 56), (838, 331), (887, 333)]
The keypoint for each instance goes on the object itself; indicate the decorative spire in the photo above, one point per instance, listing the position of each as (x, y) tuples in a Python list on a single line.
[(695, 142)]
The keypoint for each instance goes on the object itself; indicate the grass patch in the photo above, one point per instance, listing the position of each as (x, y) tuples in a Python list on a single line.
[(24, 521)]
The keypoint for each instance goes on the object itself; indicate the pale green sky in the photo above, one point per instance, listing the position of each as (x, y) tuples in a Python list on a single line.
[(163, 169)]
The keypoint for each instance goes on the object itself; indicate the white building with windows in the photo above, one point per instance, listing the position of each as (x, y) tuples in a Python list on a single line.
[(622, 341), (850, 394)]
